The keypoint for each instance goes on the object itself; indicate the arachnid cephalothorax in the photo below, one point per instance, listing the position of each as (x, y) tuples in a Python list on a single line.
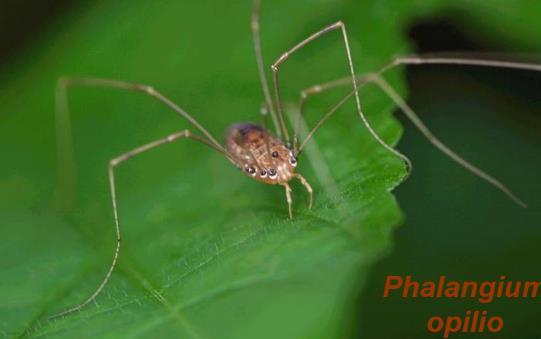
[(264, 157), (271, 157)]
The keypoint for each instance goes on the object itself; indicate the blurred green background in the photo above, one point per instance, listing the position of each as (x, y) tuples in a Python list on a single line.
[(454, 226), (309, 281)]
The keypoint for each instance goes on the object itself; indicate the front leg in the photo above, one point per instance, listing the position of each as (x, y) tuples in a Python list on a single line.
[(305, 183), (288, 198)]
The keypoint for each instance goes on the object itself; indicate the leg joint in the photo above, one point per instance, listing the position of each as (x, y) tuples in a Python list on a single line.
[(116, 161), (182, 134), (145, 88), (374, 77), (279, 61)]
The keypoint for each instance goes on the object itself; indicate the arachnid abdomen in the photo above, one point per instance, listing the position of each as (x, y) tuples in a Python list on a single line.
[(260, 154)]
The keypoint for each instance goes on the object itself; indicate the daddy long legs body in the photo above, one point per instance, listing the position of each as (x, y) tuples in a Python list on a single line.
[(264, 157), (271, 156)]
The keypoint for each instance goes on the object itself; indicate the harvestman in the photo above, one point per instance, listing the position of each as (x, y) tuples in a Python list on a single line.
[(272, 158)]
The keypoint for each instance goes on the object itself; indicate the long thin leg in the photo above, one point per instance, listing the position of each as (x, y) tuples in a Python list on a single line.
[(410, 114), (431, 59), (112, 165), (261, 65), (415, 60), (311, 91), (264, 115), (410, 60), (305, 183), (64, 83), (323, 119), (66, 166), (288, 198), (276, 66)]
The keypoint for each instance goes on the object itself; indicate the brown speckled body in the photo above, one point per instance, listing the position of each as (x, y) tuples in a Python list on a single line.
[(259, 154)]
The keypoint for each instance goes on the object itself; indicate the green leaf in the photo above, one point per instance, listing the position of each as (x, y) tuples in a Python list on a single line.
[(207, 253)]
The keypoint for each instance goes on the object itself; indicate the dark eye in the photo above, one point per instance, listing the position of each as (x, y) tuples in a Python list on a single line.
[(250, 170), (263, 173), (274, 154), (272, 172), (293, 161)]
